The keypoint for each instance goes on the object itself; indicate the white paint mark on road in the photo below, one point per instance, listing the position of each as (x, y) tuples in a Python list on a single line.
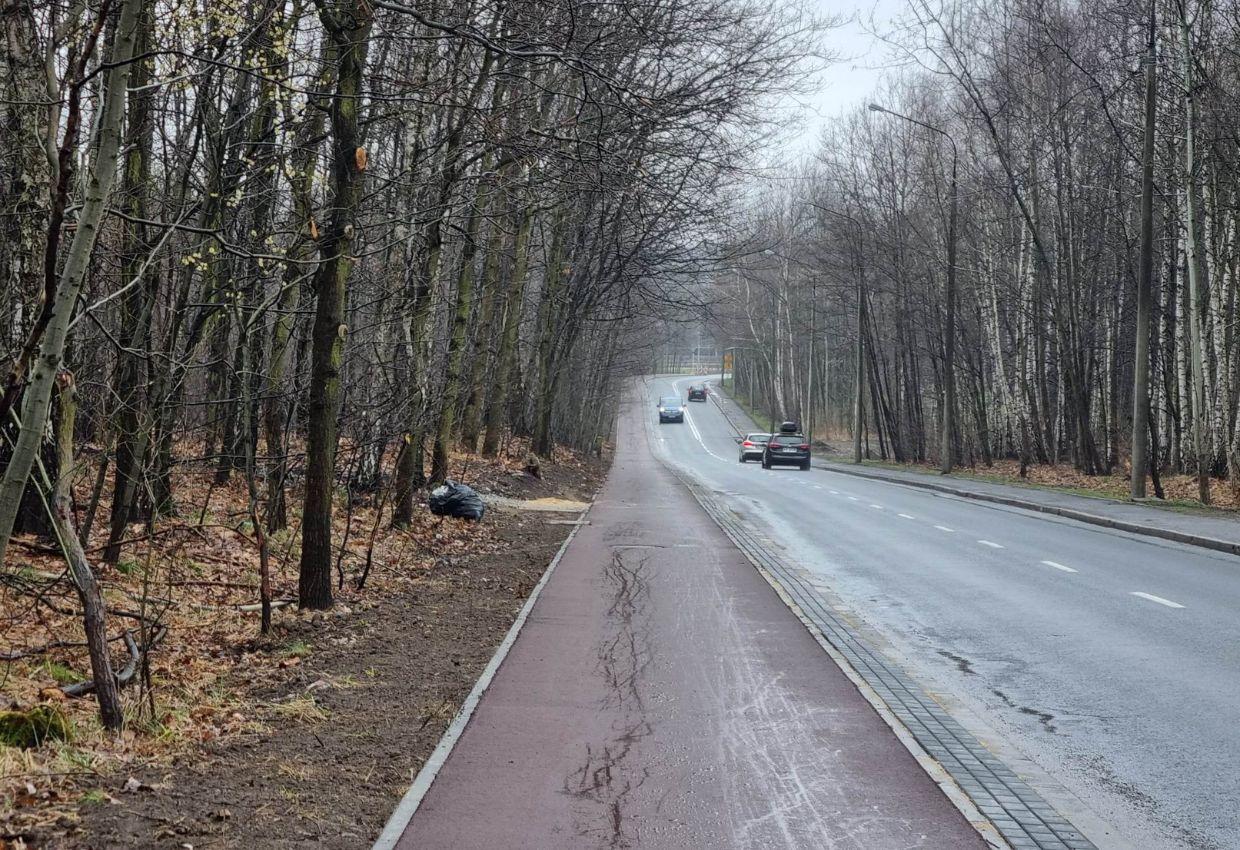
[(990, 543), (835, 492), (698, 436), (877, 507), (1059, 566), (1152, 598), (853, 499), (945, 528), (817, 486), (906, 516)]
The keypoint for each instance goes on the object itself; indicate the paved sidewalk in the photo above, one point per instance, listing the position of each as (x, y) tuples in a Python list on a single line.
[(1221, 533), (661, 695)]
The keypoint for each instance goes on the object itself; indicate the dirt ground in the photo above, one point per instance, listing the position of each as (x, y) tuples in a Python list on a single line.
[(328, 720)]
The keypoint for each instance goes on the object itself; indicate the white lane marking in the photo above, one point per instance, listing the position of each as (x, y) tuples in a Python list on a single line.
[(817, 486), (877, 507), (853, 499), (990, 543), (945, 528), (1059, 566), (1152, 598), (906, 516), (698, 435), (835, 492)]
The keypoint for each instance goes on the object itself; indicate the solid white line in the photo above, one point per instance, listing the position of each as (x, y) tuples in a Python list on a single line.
[(698, 435), (991, 544), (1059, 566), (405, 809), (1151, 597), (945, 528), (906, 516)]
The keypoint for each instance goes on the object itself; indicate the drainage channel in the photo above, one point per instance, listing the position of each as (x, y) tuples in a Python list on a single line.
[(1024, 819)]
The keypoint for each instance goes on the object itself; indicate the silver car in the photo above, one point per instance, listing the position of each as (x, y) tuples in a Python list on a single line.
[(752, 445)]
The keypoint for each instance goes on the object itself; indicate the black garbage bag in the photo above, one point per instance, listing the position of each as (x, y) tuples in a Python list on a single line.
[(458, 500)]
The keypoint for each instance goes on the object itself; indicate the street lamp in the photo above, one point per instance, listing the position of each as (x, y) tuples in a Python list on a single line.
[(949, 341), (859, 380)]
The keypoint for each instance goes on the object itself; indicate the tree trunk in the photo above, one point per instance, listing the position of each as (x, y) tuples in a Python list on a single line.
[(1141, 426), (38, 393), (514, 297), (348, 26), (137, 304), (1196, 294)]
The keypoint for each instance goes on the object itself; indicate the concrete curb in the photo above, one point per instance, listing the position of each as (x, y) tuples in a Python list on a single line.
[(1067, 513), (1187, 538)]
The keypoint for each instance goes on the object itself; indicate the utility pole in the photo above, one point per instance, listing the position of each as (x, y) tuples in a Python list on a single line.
[(949, 336), (1141, 370)]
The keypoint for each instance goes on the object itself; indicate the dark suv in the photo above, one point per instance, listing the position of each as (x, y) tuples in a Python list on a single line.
[(670, 410), (697, 393), (786, 450)]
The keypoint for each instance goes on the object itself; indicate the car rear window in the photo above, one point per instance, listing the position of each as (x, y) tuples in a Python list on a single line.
[(757, 438), (787, 440), (670, 402)]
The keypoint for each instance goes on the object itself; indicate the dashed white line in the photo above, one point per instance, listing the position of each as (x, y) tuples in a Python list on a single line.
[(1152, 598), (835, 492), (945, 528), (853, 499), (906, 516), (990, 543), (817, 486), (877, 507), (1059, 566)]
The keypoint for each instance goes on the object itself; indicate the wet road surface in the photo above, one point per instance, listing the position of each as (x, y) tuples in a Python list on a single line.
[(1105, 665), (661, 695)]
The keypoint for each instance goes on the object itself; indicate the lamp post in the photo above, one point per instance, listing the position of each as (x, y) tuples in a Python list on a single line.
[(859, 377), (949, 337)]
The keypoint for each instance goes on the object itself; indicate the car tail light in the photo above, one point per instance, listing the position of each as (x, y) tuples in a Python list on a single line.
[(804, 447), (747, 444)]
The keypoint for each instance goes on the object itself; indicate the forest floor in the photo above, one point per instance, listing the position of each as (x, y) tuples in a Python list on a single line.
[(308, 735)]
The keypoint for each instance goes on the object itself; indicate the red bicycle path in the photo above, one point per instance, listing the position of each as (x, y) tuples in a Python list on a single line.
[(661, 695)]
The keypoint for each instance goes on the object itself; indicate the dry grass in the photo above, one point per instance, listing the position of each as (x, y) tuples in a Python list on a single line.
[(300, 709)]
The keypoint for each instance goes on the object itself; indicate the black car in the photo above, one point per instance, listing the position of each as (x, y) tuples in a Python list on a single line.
[(670, 410), (786, 450), (697, 393), (752, 445)]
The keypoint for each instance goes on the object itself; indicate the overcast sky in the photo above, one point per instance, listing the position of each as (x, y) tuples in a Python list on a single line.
[(854, 77)]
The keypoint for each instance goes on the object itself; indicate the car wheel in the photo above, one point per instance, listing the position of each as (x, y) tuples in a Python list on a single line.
[(805, 466), (740, 459), (766, 464)]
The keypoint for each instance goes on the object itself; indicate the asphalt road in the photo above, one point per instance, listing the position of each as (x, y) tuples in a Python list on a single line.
[(1103, 666)]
